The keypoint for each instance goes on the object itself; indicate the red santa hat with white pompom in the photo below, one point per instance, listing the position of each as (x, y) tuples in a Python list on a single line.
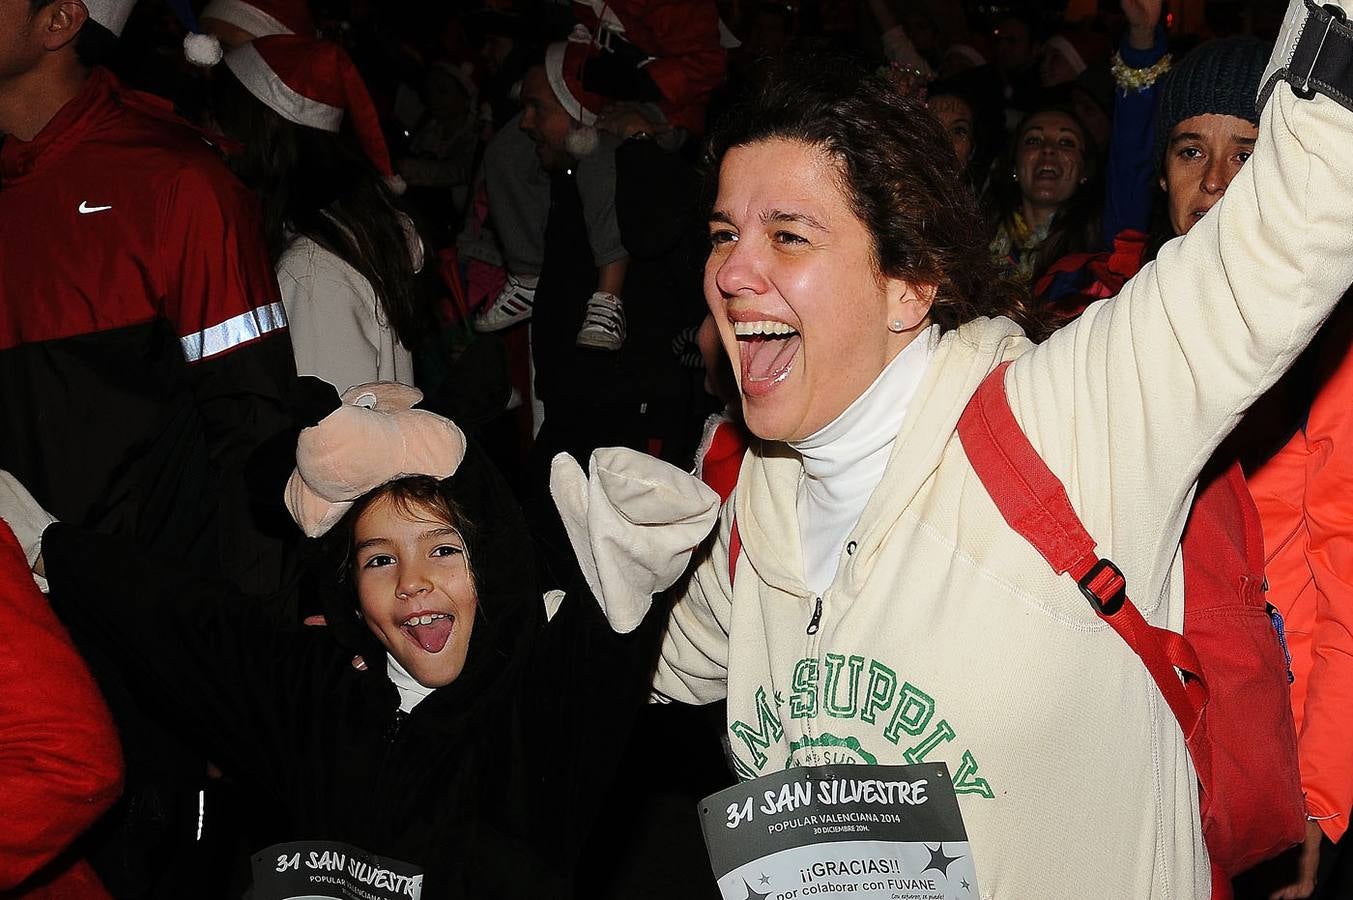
[(261, 18), (313, 83), (564, 62)]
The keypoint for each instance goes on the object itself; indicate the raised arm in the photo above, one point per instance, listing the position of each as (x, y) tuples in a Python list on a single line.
[(1128, 402), (1131, 167)]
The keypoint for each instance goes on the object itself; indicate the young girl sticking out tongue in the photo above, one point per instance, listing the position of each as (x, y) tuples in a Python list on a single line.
[(495, 696)]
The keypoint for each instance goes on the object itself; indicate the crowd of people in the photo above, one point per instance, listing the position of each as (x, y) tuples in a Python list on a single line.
[(468, 433)]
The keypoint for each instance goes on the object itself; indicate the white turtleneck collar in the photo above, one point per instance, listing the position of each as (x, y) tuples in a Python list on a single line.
[(411, 693), (844, 461)]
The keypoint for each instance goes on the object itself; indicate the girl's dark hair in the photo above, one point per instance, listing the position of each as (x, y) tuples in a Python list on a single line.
[(420, 497), (1076, 227), (319, 184), (898, 170)]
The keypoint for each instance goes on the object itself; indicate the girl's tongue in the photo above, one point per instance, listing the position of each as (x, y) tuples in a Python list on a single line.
[(433, 637), (767, 358)]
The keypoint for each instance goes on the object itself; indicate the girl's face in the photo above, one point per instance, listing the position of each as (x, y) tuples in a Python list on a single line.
[(795, 291), (414, 589), (956, 117), (1050, 159)]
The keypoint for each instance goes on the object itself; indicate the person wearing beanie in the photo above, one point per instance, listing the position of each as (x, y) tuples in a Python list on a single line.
[(314, 153), (144, 359), (1206, 123), (469, 744), (1296, 443)]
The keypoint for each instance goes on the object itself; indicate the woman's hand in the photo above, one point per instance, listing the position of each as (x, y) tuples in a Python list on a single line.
[(1142, 16), (624, 120), (1307, 864)]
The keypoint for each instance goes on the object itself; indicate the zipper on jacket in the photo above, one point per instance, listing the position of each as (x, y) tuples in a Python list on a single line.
[(392, 730), (816, 620)]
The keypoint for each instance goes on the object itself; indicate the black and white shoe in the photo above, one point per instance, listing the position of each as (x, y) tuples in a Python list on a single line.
[(514, 303), (603, 323)]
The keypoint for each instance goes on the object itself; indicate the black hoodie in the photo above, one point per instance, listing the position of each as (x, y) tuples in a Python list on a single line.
[(489, 784)]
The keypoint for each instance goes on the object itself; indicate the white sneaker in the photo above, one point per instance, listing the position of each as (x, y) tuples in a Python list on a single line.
[(514, 303), (603, 323)]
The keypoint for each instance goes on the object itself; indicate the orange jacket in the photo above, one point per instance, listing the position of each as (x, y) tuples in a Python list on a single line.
[(1305, 497)]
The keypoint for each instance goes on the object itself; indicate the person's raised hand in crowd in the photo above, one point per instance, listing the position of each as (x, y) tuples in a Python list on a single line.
[(1142, 16), (625, 120)]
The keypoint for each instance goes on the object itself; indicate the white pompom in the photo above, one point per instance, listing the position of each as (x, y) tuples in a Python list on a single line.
[(202, 50), (582, 140), (396, 184)]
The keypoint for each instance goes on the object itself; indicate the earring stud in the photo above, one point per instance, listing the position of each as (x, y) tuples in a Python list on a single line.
[(896, 327)]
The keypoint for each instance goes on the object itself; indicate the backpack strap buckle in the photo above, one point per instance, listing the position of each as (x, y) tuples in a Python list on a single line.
[(1104, 586)]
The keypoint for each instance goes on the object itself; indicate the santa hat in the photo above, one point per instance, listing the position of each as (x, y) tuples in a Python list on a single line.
[(564, 63), (313, 83), (261, 18), (111, 14)]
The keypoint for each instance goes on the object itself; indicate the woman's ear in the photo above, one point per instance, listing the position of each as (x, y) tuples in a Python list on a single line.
[(909, 304)]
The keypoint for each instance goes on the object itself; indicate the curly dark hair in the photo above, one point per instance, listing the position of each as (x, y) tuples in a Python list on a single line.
[(898, 170)]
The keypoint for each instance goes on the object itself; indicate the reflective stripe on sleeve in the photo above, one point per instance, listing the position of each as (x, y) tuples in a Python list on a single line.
[(231, 333)]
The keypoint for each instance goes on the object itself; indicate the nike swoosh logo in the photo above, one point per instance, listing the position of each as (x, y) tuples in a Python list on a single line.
[(86, 209)]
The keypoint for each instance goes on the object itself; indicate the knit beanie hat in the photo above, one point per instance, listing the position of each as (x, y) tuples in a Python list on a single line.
[(1219, 77), (263, 17), (313, 83), (111, 14)]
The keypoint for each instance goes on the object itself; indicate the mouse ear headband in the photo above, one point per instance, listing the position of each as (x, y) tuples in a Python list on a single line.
[(374, 438)]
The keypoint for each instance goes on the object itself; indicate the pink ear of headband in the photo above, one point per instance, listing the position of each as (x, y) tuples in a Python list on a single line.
[(374, 438)]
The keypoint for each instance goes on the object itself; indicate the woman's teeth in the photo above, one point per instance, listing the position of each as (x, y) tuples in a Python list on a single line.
[(767, 327)]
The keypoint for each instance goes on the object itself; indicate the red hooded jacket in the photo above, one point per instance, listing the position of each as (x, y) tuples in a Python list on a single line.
[(60, 761)]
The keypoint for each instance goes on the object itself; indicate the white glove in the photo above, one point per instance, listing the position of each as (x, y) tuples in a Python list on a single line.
[(633, 525), (25, 517), (1295, 22)]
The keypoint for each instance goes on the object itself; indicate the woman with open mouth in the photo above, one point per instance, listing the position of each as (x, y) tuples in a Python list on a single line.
[(1048, 206), (464, 749), (865, 600)]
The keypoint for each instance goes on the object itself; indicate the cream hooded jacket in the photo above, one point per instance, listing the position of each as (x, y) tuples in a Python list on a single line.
[(944, 636)]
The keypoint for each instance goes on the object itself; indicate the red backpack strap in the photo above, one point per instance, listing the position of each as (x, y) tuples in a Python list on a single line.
[(734, 551), (1034, 503)]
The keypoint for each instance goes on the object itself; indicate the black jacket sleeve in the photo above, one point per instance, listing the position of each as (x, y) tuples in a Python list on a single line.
[(586, 686), (210, 660)]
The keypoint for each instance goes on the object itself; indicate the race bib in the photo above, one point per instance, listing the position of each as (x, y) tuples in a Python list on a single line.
[(886, 832), (329, 870)]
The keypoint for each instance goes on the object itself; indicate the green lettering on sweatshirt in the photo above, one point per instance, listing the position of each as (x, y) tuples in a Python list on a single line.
[(878, 696), (832, 704), (966, 780), (914, 710), (866, 700), (918, 752), (768, 728), (803, 701)]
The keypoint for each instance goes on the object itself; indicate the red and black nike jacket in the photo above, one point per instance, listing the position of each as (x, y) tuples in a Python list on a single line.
[(143, 345)]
